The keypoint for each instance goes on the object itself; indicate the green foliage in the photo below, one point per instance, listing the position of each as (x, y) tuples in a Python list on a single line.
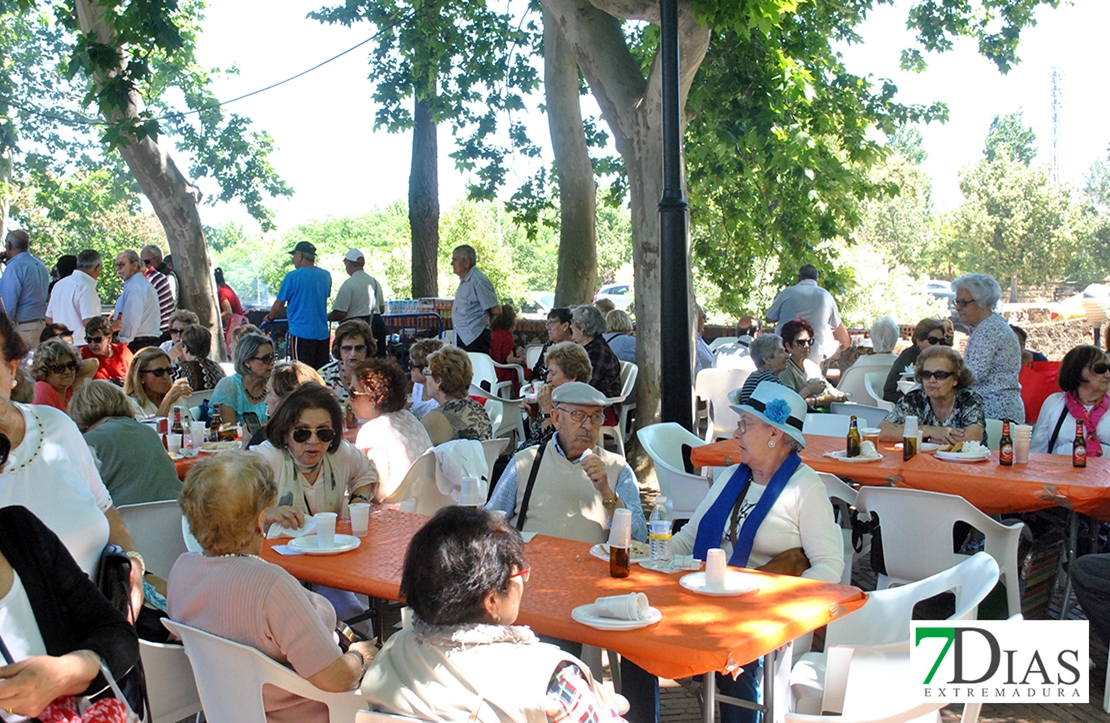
[(1091, 261), (1010, 137), (901, 224)]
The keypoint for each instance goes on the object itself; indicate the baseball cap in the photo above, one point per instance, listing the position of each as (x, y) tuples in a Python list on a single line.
[(304, 247), (354, 255)]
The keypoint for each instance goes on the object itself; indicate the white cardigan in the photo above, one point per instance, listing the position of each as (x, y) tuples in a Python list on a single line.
[(1046, 422)]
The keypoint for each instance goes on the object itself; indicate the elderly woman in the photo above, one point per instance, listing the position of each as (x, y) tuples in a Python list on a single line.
[(770, 513), (418, 361), (392, 437), (993, 353), (193, 364), (114, 359), (232, 592), (947, 408), (56, 331), (288, 375), (801, 374), (180, 320), (316, 470), (586, 328), (245, 390), (565, 362), (353, 343), (464, 577), (927, 333), (447, 380), (619, 335), (133, 463), (1084, 376), (884, 337), (558, 330), (151, 386), (54, 370), (770, 360)]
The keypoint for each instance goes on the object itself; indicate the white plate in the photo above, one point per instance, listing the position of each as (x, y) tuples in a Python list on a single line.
[(736, 583), (964, 456), (670, 567), (601, 552), (923, 447), (842, 455), (222, 447), (587, 615), (307, 544)]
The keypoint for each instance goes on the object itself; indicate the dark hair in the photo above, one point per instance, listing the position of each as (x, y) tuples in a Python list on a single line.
[(53, 331), (561, 313), (219, 274), (307, 396), (791, 329), (1021, 335), (66, 265), (384, 383), (807, 271), (925, 327), (197, 340), (455, 560), (1075, 361), (98, 323), (505, 320), (11, 343), (353, 327)]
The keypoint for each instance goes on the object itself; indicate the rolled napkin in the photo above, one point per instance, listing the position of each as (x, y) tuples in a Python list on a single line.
[(278, 530), (867, 449), (633, 606)]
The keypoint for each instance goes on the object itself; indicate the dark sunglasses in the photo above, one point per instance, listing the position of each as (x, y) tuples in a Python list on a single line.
[(59, 368), (805, 342), (160, 372), (94, 339), (1100, 368), (264, 358), (940, 376), (934, 340), (357, 348), (147, 262), (324, 434)]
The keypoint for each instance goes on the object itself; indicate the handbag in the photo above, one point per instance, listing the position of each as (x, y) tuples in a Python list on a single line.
[(113, 579)]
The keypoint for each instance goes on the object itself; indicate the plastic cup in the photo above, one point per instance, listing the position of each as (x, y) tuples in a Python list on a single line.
[(360, 518), (470, 495), (871, 434), (715, 564), (325, 529), (620, 533), (1021, 450), (173, 442)]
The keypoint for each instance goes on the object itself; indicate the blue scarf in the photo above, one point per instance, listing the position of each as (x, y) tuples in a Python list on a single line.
[(712, 526)]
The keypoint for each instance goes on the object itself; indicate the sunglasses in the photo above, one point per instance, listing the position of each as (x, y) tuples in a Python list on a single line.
[(160, 372), (940, 376), (175, 331), (324, 434), (934, 340), (264, 358), (94, 339), (357, 348), (147, 262), (805, 342), (1100, 368), (59, 368)]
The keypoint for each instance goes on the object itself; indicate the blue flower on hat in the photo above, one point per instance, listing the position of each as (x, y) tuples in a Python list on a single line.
[(777, 411)]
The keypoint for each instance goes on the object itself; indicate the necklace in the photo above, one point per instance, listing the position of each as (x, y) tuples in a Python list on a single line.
[(254, 398), (238, 554)]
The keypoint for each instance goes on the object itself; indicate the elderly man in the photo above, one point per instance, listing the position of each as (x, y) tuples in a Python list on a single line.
[(137, 316), (475, 303), (24, 287), (737, 355), (817, 306), (360, 297), (74, 301), (305, 290), (163, 283)]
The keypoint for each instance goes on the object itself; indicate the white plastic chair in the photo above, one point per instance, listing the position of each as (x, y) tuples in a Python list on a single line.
[(230, 677), (532, 354), (867, 416), (373, 716), (873, 382), (843, 498), (170, 684), (919, 543), (493, 449), (663, 443), (198, 396), (826, 425), (629, 372), (504, 414), (852, 380), (713, 386), (721, 341), (154, 527), (993, 430), (485, 371)]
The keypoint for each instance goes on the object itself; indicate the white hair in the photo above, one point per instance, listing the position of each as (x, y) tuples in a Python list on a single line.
[(884, 335), (982, 287)]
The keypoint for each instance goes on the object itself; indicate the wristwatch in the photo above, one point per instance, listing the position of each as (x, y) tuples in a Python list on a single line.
[(611, 503)]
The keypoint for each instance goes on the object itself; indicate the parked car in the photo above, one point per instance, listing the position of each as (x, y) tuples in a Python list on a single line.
[(620, 294), (537, 305), (940, 289)]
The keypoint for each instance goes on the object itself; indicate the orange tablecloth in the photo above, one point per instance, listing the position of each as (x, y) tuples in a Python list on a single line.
[(887, 471), (697, 634), (184, 464), (1048, 480)]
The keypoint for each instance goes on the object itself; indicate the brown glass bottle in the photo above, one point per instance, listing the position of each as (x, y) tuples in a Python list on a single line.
[(1079, 446), (215, 421), (177, 429), (620, 562), (1006, 446), (853, 439)]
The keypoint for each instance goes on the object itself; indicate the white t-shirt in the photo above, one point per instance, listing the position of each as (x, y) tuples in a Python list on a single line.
[(73, 300), (393, 442)]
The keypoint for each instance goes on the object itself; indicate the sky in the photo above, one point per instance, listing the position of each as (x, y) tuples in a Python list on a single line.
[(327, 150)]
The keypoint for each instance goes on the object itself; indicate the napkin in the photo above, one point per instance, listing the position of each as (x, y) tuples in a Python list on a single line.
[(278, 530), (633, 606), (867, 449)]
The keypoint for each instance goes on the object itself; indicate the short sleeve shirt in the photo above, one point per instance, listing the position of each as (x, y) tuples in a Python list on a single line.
[(469, 312), (809, 301), (305, 293), (968, 410), (73, 300), (229, 392), (359, 296)]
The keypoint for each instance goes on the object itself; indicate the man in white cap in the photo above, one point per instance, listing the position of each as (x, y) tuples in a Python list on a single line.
[(360, 297)]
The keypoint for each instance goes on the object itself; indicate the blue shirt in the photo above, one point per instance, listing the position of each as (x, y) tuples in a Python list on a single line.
[(470, 309), (229, 392), (24, 288), (305, 292), (139, 310)]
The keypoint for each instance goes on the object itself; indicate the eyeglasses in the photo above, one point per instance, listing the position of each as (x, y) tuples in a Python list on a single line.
[(357, 348), (934, 340), (324, 434), (122, 264), (59, 368), (427, 371), (160, 372), (522, 574), (805, 342), (265, 358), (962, 303), (742, 425), (939, 375), (175, 331), (598, 418), (94, 339), (147, 262), (1100, 368), (552, 322)]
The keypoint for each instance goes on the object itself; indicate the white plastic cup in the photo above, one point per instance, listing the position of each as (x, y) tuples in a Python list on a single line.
[(199, 430), (470, 495), (1021, 450), (173, 442), (715, 564), (360, 518), (325, 529), (910, 428), (620, 533)]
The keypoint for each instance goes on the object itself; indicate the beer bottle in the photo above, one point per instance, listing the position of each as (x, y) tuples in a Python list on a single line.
[(853, 439), (177, 429), (1079, 446), (215, 421), (1006, 445)]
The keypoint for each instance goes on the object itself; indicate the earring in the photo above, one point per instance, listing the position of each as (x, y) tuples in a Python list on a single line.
[(771, 443)]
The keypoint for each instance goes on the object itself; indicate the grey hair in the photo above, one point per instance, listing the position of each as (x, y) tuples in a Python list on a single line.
[(793, 444), (222, 497), (19, 239), (95, 400), (52, 351), (467, 252), (763, 347), (587, 318), (246, 348), (884, 335), (982, 287), (89, 259), (155, 249), (132, 257)]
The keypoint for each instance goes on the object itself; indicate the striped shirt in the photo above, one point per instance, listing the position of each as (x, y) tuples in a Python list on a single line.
[(165, 295)]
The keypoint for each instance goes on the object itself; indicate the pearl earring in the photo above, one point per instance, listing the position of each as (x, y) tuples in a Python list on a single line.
[(771, 443)]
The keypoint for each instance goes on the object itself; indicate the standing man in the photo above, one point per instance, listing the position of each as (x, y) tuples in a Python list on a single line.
[(24, 287), (360, 297), (151, 257), (303, 298), (736, 355), (74, 301), (137, 317), (817, 306), (475, 303)]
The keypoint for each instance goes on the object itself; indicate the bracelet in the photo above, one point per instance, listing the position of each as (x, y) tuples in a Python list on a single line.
[(136, 556), (545, 417), (360, 497)]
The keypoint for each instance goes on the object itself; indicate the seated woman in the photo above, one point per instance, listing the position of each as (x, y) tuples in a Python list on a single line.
[(115, 359), (586, 328), (180, 320), (948, 410), (391, 437), (193, 364), (565, 362), (133, 463), (927, 333), (232, 592), (447, 380), (150, 383), (56, 331), (464, 577), (619, 335), (418, 361), (558, 330), (353, 343), (783, 523), (885, 334), (770, 360), (56, 627), (245, 390), (315, 469), (503, 347), (801, 374), (1084, 376), (288, 374), (54, 370)]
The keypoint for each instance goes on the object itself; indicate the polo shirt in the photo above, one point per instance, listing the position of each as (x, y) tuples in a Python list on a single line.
[(469, 311), (24, 288), (809, 301), (73, 300), (305, 292), (359, 296)]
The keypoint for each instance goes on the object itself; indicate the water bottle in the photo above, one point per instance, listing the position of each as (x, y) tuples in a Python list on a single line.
[(659, 531)]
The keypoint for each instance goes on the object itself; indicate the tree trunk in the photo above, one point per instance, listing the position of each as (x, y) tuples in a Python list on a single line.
[(173, 198), (577, 190), (424, 203)]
